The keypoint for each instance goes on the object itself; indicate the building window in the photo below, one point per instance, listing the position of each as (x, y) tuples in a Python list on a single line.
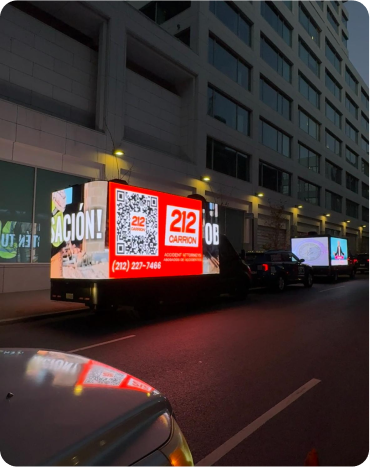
[(351, 209), (232, 18), (351, 157), (351, 182), (309, 125), (332, 143), (364, 122), (333, 201), (333, 114), (333, 56), (24, 231), (365, 145), (309, 24), (274, 179), (344, 39), (351, 106), (308, 158), (184, 36), (333, 85), (309, 58), (335, 5), (333, 172), (365, 99), (365, 214), (344, 19), (309, 91), (227, 160), (274, 98), (274, 139), (288, 4), (351, 132), (308, 192), (351, 81), (273, 57), (277, 21), (332, 21), (365, 190), (228, 63), (365, 167), (227, 111), (160, 12)]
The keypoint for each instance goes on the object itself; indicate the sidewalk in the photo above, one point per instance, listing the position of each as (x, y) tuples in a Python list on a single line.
[(23, 305)]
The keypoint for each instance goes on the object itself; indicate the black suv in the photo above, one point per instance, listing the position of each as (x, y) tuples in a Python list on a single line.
[(276, 269), (362, 263)]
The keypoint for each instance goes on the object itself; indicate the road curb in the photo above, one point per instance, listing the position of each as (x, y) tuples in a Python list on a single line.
[(23, 319)]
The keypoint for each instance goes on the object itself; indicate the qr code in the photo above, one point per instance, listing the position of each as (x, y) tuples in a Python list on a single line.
[(137, 224), (106, 376)]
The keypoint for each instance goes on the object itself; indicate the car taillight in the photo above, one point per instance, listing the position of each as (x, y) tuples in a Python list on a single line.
[(355, 260), (367, 259), (177, 450), (265, 267)]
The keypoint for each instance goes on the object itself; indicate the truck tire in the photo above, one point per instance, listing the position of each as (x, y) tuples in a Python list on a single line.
[(241, 290), (280, 284), (308, 282)]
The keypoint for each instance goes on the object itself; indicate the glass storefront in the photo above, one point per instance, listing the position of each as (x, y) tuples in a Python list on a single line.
[(25, 203)]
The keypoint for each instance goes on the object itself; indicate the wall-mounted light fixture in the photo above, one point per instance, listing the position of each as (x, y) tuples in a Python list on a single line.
[(348, 222), (118, 152), (205, 178), (259, 194), (327, 215), (364, 226), (299, 206)]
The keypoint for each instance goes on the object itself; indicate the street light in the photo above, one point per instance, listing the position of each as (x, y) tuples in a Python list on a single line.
[(205, 178)]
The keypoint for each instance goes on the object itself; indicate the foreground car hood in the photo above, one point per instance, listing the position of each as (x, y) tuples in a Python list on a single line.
[(63, 409)]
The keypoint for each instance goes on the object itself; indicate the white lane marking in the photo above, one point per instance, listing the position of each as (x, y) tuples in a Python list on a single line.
[(333, 288), (230, 444), (102, 343)]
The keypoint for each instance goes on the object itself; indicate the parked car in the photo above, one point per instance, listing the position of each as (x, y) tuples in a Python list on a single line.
[(277, 269), (362, 263), (64, 409)]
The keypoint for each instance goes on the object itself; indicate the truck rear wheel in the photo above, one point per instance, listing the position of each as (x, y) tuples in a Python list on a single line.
[(308, 282), (334, 277), (280, 284)]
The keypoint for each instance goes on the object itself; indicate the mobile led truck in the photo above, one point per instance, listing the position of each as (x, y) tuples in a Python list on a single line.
[(329, 256), (113, 243)]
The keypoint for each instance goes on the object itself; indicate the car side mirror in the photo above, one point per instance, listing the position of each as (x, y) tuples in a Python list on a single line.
[(301, 260)]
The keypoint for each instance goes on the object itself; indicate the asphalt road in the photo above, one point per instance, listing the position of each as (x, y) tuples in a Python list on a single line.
[(226, 365)]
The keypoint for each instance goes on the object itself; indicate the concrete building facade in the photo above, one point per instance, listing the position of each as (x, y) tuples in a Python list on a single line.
[(260, 97)]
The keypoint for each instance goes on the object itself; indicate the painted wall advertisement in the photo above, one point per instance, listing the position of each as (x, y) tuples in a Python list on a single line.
[(103, 230)]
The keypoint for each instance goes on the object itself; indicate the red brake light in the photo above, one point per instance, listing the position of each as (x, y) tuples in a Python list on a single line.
[(367, 259), (265, 267), (355, 260)]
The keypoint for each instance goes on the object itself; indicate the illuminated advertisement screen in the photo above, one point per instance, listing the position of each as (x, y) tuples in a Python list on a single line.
[(153, 234), (102, 230), (314, 250), (338, 251), (79, 244)]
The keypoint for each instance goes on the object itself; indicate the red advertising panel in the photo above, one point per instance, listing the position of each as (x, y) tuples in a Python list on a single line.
[(153, 234)]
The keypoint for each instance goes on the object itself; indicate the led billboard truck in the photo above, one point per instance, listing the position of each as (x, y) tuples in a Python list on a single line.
[(327, 255), (115, 244)]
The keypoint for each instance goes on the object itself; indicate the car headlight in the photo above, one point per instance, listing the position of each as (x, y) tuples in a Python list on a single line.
[(177, 450)]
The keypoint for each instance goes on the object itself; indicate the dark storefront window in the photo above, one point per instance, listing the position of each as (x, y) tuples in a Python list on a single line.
[(24, 233)]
